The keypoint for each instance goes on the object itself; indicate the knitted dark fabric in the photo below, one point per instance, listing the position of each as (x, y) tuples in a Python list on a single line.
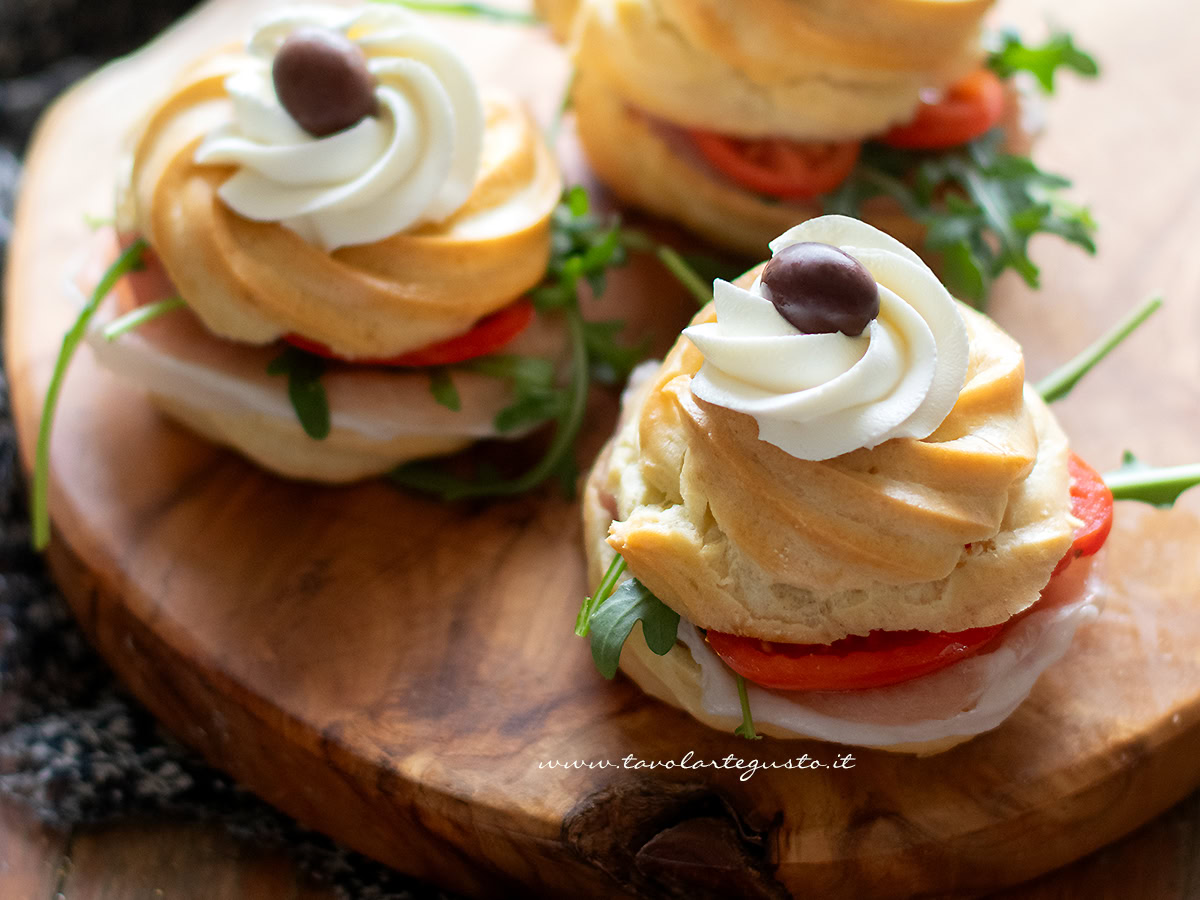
[(73, 745)]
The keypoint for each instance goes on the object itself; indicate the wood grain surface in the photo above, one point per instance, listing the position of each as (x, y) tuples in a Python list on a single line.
[(392, 670)]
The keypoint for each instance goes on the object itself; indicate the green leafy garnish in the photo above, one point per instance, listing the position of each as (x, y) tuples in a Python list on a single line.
[(1062, 380), (979, 206), (604, 590), (1011, 55), (746, 729), (429, 478), (537, 397), (138, 317), (441, 385), (129, 260), (473, 10), (304, 371), (1159, 487), (611, 624)]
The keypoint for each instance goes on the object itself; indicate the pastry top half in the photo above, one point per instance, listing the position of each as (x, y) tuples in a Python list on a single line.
[(802, 69), (396, 232), (805, 487)]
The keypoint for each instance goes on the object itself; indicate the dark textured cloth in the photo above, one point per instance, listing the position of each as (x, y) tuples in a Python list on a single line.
[(73, 745)]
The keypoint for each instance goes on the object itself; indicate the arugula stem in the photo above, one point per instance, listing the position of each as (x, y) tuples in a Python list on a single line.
[(685, 274), (1156, 485), (39, 507), (746, 729), (1062, 380), (569, 424), (477, 10), (555, 127), (675, 264), (603, 591), (140, 316)]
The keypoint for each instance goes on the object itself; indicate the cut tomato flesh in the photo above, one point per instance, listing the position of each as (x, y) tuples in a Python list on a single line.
[(1092, 505), (790, 170), (966, 110), (853, 663), (488, 335), (881, 658)]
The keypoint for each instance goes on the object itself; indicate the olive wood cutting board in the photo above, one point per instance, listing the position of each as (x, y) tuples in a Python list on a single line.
[(391, 670)]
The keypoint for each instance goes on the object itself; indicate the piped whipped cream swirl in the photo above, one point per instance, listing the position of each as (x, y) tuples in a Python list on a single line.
[(415, 161), (817, 396)]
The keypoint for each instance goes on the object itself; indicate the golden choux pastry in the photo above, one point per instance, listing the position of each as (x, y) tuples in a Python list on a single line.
[(804, 468), (339, 183), (781, 68)]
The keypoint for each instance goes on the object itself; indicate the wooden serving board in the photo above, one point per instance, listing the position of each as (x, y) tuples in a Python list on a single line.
[(392, 671)]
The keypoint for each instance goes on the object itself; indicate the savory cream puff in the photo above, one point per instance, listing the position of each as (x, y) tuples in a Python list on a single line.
[(341, 188), (841, 483), (739, 120)]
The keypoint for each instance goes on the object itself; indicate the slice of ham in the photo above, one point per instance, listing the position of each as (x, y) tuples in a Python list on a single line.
[(175, 357), (966, 699)]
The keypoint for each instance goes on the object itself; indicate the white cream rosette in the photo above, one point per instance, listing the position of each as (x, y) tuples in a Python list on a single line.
[(818, 396), (414, 161)]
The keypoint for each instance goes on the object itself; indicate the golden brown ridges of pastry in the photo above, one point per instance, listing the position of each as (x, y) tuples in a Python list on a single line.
[(804, 69), (254, 282), (959, 530)]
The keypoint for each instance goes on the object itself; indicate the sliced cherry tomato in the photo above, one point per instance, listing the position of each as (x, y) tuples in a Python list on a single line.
[(853, 663), (1092, 504), (487, 336), (790, 170), (964, 112)]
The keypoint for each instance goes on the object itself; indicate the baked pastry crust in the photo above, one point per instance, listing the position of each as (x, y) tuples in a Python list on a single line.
[(959, 530), (254, 282), (803, 69)]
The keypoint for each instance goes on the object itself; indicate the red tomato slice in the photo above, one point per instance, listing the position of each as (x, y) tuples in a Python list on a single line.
[(790, 170), (487, 336), (1092, 504), (853, 663), (965, 111)]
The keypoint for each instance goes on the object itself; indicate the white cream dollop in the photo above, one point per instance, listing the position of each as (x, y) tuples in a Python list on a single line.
[(414, 161), (817, 396)]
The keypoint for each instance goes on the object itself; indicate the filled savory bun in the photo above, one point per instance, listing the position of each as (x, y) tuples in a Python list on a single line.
[(558, 14), (380, 417), (802, 69), (955, 531), (255, 281), (652, 164)]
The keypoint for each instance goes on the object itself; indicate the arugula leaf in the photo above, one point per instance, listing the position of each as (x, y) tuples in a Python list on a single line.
[(1062, 380), (470, 9), (746, 729), (1159, 487), (1011, 55), (441, 385), (136, 318), (611, 361), (614, 620), (130, 260), (980, 207), (304, 371), (428, 478)]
